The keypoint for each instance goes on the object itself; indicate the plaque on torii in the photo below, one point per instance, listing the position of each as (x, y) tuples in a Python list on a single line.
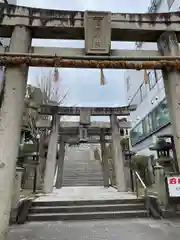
[(97, 27), (85, 121), (85, 116)]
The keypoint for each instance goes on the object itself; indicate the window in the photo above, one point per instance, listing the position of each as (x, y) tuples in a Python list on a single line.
[(139, 130), (137, 133), (156, 119), (162, 114), (152, 79), (148, 125), (143, 90), (150, 121), (170, 3), (158, 74), (137, 98), (128, 83)]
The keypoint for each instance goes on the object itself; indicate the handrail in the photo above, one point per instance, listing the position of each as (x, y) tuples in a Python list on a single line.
[(145, 190), (149, 206), (140, 179)]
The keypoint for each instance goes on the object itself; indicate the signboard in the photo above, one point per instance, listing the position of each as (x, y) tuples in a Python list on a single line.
[(173, 183), (85, 116), (97, 32)]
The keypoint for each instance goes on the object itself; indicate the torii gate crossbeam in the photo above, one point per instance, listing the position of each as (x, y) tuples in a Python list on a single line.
[(59, 24)]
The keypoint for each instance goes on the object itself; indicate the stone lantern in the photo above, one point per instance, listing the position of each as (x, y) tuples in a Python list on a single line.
[(163, 148)]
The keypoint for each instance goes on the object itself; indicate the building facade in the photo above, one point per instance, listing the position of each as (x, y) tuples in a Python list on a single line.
[(146, 90)]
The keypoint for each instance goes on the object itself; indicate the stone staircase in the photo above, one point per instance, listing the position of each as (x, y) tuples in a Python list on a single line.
[(87, 210), (82, 173)]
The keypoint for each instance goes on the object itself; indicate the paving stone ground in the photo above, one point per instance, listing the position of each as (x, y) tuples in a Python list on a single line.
[(136, 229)]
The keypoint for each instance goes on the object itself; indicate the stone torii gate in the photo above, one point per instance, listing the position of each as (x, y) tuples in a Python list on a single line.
[(71, 132), (21, 24)]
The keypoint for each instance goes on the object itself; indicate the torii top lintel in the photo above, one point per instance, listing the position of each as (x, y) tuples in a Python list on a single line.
[(94, 111), (58, 24)]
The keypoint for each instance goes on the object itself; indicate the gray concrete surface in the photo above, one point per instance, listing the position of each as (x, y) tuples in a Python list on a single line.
[(137, 229)]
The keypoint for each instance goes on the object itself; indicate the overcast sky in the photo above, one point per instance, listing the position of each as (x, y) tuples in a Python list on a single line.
[(84, 85)]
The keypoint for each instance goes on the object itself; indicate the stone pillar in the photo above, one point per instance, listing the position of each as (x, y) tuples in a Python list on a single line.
[(16, 193), (42, 161), (160, 186), (168, 45), (59, 179), (10, 123), (105, 164), (51, 156), (117, 155)]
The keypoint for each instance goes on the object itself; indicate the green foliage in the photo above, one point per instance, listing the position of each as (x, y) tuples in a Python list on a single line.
[(124, 144), (28, 148), (140, 162), (34, 94)]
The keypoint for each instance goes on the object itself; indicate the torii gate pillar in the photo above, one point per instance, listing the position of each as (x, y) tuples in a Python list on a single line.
[(51, 156), (105, 164), (117, 155), (10, 123), (59, 180), (168, 45)]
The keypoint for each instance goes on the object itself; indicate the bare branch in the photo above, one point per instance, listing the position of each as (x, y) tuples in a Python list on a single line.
[(47, 91)]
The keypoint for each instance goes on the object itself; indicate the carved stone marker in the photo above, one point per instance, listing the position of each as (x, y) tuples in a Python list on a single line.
[(83, 134), (85, 117), (97, 32)]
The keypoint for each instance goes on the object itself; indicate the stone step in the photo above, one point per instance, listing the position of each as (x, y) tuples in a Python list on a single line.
[(82, 184), (85, 180), (87, 215), (70, 184), (82, 164), (84, 177), (86, 208), (87, 202), (82, 181), (82, 173), (71, 173), (83, 170), (93, 183)]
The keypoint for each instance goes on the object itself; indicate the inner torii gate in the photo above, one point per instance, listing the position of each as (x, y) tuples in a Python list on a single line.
[(21, 24), (82, 130)]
